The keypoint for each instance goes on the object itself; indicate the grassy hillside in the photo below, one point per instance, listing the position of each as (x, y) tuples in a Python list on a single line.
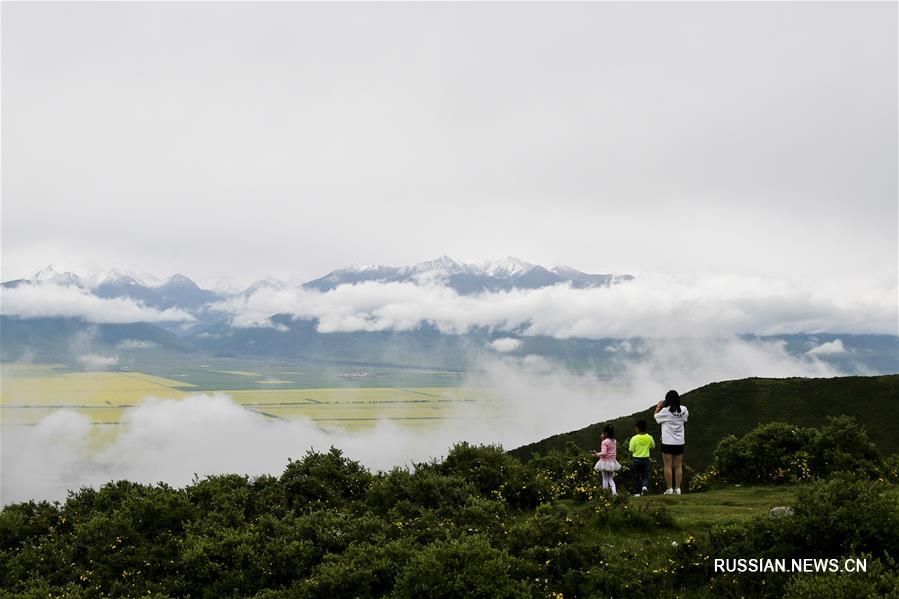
[(736, 407)]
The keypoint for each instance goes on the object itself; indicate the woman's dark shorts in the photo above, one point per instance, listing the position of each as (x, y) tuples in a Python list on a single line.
[(673, 449)]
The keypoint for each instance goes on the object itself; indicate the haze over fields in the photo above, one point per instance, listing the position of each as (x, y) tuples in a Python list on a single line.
[(686, 193)]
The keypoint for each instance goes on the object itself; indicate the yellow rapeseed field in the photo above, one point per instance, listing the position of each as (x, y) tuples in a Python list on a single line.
[(26, 396)]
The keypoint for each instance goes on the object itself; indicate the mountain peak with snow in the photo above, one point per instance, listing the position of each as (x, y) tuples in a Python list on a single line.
[(508, 267), (119, 277), (465, 278), (51, 275), (179, 280), (442, 265)]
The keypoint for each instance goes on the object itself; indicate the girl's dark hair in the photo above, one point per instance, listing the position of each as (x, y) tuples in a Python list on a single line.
[(609, 430), (672, 401)]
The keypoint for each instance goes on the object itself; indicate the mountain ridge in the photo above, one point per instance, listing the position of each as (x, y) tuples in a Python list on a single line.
[(469, 277), (464, 277)]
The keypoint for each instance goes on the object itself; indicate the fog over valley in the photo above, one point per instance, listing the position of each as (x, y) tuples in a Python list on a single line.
[(425, 355)]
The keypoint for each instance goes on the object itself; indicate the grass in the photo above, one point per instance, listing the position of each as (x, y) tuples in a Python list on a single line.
[(694, 515), (702, 511)]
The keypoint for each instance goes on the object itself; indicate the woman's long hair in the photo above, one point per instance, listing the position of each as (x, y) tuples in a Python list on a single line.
[(672, 400)]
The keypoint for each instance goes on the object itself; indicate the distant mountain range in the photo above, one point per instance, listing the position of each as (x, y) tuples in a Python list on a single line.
[(465, 278), (212, 333)]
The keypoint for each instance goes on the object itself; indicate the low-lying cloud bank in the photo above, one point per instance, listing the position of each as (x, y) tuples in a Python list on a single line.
[(829, 348), (505, 344), (650, 306), (48, 300), (531, 398), (98, 361)]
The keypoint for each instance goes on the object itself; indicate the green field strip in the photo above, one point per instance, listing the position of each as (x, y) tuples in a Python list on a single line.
[(92, 423), (439, 397), (266, 414), (375, 402), (68, 405), (479, 417), (338, 403)]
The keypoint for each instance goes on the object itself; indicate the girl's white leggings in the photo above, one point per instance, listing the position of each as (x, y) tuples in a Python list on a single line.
[(608, 482)]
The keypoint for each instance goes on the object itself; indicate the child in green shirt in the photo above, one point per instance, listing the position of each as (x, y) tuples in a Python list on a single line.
[(639, 447)]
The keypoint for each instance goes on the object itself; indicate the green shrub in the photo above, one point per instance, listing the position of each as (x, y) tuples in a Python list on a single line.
[(526, 487), (770, 453), (482, 516), (844, 446), (550, 525), (487, 467), (842, 515), (360, 571), (231, 500), (424, 487), (890, 470), (324, 479), (833, 518), (779, 453), (879, 580), (464, 567), (569, 472), (21, 522), (482, 526)]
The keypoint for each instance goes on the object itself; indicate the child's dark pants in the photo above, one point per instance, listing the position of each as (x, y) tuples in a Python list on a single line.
[(641, 474)]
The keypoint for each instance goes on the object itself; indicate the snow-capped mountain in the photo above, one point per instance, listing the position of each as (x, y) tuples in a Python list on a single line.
[(267, 283), (181, 292), (443, 264), (49, 275), (114, 274), (177, 292), (466, 278), (510, 267)]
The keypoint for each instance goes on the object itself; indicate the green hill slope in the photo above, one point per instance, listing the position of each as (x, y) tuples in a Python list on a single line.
[(736, 407)]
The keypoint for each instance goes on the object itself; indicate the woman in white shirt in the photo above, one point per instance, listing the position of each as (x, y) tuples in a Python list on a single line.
[(672, 416)]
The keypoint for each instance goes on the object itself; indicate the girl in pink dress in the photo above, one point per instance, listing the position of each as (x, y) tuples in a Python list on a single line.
[(608, 465)]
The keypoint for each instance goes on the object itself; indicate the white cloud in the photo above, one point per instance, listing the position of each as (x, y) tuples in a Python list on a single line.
[(49, 300), (650, 306), (632, 148), (97, 361), (505, 344), (529, 399), (829, 348), (136, 344)]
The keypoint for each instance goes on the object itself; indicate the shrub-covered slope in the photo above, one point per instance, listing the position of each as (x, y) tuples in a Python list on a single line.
[(478, 524)]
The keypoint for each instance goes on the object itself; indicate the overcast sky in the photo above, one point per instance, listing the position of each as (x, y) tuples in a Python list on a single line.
[(243, 139)]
